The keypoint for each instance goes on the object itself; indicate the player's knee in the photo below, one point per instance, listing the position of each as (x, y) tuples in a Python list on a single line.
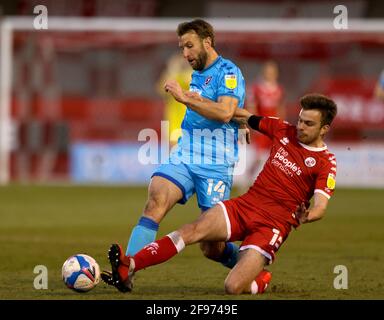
[(189, 233), (211, 251), (232, 287)]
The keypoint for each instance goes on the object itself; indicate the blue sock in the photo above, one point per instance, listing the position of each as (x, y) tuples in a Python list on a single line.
[(142, 234), (230, 255)]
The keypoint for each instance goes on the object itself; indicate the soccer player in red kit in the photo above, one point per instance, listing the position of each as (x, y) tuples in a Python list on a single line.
[(299, 167), (265, 98)]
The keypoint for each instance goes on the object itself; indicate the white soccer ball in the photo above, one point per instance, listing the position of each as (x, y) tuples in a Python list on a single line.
[(81, 273)]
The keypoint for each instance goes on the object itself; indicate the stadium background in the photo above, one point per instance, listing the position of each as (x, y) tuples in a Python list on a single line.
[(72, 181)]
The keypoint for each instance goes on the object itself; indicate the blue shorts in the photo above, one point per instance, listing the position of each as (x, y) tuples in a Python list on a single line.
[(212, 183)]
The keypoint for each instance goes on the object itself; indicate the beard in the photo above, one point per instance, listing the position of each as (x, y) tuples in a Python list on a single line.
[(201, 60), (306, 139)]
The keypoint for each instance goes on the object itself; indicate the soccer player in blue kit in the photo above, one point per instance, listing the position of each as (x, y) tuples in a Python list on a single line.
[(204, 159)]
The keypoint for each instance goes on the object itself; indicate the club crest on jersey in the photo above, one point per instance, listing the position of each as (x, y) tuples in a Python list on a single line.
[(310, 162), (230, 81), (331, 181), (207, 80)]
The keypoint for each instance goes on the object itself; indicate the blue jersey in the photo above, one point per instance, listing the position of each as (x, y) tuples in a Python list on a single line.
[(206, 141)]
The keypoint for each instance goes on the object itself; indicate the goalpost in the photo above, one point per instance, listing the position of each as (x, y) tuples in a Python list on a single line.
[(157, 30)]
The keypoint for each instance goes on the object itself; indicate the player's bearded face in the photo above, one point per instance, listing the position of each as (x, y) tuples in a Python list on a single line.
[(200, 60), (193, 50), (307, 138)]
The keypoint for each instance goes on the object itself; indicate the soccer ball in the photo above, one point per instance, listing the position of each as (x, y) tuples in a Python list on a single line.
[(81, 273)]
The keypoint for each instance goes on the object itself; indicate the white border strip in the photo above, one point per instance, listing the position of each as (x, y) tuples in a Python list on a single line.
[(323, 193), (258, 249), (177, 240), (228, 222), (316, 149)]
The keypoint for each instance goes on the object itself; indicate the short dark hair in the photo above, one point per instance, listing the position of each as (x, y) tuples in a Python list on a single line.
[(316, 101), (202, 28)]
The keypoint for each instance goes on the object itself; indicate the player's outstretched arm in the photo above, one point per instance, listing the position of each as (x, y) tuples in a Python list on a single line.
[(222, 110), (241, 116), (194, 95), (315, 213), (244, 117)]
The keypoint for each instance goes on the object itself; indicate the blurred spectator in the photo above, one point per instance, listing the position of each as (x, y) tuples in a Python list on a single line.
[(379, 90), (265, 98), (177, 69)]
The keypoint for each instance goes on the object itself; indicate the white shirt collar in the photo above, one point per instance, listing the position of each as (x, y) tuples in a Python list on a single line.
[(316, 149)]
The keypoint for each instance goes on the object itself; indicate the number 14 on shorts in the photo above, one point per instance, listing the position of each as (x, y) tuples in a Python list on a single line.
[(217, 187)]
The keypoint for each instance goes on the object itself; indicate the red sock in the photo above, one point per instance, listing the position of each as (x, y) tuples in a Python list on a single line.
[(155, 253)]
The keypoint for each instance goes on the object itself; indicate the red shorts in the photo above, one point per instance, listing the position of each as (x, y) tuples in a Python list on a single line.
[(253, 227)]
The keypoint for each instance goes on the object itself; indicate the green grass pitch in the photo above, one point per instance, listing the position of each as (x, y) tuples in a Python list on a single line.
[(43, 225)]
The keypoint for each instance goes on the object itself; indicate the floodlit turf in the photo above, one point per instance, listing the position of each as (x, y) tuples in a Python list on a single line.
[(45, 225)]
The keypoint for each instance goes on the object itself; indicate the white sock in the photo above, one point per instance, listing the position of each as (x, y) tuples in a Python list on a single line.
[(254, 287)]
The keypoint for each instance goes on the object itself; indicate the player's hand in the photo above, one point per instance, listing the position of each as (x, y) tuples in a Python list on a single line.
[(244, 135), (247, 135), (241, 116), (174, 88), (302, 213)]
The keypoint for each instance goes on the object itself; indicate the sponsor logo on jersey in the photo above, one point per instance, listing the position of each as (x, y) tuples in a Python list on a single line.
[(281, 161), (310, 162), (331, 181), (284, 141), (207, 80), (230, 81)]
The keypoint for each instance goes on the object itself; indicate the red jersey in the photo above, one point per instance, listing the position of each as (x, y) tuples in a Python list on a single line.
[(266, 98), (292, 173)]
